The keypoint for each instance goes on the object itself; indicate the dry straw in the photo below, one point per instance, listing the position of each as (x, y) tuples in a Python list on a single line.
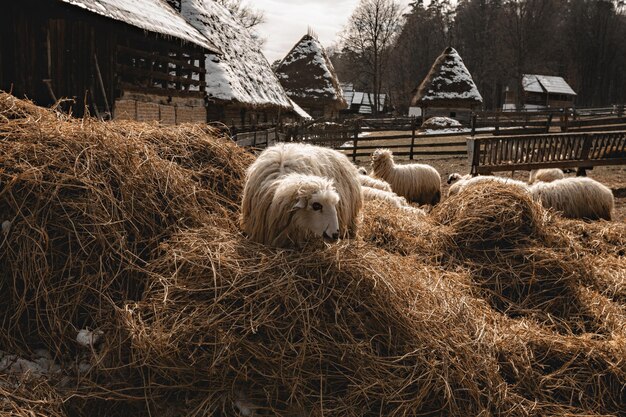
[(489, 305)]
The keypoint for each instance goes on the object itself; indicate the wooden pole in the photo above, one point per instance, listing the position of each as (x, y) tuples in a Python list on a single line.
[(413, 126), (356, 141)]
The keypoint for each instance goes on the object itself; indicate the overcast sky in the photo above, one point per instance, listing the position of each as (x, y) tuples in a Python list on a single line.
[(286, 21)]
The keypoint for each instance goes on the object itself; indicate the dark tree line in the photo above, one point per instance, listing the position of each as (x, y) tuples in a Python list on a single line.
[(499, 40)]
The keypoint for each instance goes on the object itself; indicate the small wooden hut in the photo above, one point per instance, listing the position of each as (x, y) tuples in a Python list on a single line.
[(448, 90), (126, 59), (310, 80), (241, 88), (540, 92)]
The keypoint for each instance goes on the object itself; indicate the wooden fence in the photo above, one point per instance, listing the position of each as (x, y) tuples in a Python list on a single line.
[(564, 150), (359, 139)]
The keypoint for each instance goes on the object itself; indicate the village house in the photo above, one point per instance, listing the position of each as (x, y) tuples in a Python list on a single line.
[(448, 89), (309, 79), (122, 59), (360, 102), (540, 92)]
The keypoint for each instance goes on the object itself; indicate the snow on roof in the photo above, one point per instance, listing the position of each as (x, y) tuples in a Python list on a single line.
[(300, 111), (448, 81), (546, 83), (151, 15), (306, 72), (241, 73)]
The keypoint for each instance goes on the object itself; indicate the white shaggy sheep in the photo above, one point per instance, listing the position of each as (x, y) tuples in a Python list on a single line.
[(576, 197), (545, 175), (263, 217), (367, 181), (461, 184), (452, 178), (418, 183), (371, 194)]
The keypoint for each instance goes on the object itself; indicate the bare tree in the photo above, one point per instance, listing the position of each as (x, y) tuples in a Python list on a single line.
[(368, 37), (248, 16)]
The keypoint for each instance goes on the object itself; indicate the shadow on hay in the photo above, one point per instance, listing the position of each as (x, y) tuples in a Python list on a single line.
[(501, 236), (343, 330)]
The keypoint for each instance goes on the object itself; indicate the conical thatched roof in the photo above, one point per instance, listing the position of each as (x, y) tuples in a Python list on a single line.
[(447, 84), (307, 73)]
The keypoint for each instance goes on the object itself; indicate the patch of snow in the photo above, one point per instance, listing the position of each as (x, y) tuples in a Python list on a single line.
[(152, 15), (6, 227), (441, 122), (241, 73), (88, 338), (42, 364)]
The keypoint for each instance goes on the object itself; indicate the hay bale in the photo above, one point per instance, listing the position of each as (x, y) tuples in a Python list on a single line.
[(490, 215)]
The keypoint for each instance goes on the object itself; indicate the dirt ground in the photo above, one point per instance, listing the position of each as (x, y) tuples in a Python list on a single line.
[(613, 177)]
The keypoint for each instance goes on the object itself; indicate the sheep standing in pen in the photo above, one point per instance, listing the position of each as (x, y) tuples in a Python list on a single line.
[(545, 175), (371, 194), (418, 183), (462, 183), (576, 198), (276, 202)]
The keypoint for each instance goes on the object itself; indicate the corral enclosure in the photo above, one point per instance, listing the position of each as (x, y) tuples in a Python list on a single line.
[(488, 305)]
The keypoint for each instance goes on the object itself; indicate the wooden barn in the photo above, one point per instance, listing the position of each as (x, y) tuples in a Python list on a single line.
[(310, 80), (540, 92), (448, 89), (123, 59), (241, 88)]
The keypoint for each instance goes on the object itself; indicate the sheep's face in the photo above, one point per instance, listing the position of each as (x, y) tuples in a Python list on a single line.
[(454, 178), (317, 214), (381, 158), (362, 171)]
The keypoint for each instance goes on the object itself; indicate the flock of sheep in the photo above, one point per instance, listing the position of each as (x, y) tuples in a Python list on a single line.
[(297, 191)]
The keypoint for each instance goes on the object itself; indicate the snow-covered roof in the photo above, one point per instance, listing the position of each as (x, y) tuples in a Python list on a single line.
[(307, 73), (546, 84), (448, 82), (240, 73), (300, 111), (151, 15)]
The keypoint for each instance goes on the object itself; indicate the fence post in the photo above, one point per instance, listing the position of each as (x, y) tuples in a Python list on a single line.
[(413, 126), (473, 123), (254, 137), (549, 123), (497, 123), (565, 122), (356, 141)]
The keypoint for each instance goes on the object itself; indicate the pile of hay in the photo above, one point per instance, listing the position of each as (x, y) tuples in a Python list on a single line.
[(488, 305)]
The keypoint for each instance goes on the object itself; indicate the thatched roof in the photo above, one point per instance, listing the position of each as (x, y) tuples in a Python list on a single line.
[(241, 73), (448, 83), (300, 111), (307, 73), (151, 15)]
